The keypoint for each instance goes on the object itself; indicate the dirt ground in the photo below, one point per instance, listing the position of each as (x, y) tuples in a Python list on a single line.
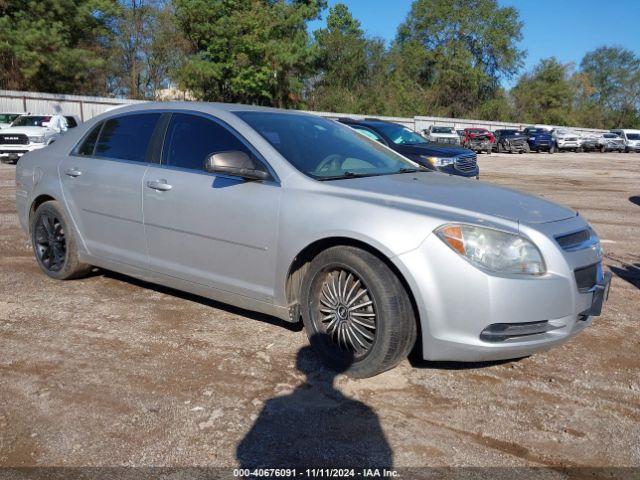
[(109, 371)]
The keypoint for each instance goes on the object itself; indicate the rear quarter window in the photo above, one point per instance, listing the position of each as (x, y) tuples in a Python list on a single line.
[(87, 146)]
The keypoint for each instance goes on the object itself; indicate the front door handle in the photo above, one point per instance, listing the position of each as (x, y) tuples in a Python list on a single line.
[(73, 172), (159, 185)]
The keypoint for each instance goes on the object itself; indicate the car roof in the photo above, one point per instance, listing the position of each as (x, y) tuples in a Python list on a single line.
[(204, 107)]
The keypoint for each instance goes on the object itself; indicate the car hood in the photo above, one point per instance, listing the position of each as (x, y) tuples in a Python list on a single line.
[(463, 196), (25, 130), (432, 150)]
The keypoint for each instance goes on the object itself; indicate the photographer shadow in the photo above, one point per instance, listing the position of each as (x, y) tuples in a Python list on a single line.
[(315, 426)]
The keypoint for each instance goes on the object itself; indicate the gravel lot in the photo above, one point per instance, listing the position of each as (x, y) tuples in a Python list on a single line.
[(108, 370)]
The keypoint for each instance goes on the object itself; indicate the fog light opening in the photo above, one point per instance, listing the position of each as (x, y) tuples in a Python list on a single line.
[(498, 332)]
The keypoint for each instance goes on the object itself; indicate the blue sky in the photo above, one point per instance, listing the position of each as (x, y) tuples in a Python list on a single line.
[(566, 29)]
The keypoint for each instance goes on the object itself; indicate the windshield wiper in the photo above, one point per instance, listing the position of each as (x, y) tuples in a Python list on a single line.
[(412, 170), (347, 174)]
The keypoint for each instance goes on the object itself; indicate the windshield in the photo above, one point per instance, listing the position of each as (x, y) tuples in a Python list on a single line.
[(324, 149), (8, 117), (441, 130), (509, 132), (633, 136), (401, 135), (477, 131), (610, 135), (30, 121)]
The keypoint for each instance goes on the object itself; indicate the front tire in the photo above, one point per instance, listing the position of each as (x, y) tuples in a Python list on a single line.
[(54, 243), (356, 312)]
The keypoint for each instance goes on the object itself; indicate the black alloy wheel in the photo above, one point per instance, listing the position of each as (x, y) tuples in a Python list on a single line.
[(50, 243)]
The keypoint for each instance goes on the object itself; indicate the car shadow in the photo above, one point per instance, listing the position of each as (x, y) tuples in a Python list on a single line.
[(635, 199), (315, 426), (294, 327), (629, 273)]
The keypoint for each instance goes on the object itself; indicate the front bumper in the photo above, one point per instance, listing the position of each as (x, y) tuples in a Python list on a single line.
[(451, 170), (567, 145), (458, 302), (9, 153)]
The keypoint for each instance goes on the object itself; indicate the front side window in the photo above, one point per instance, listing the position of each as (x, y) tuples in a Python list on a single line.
[(89, 143), (324, 149), (401, 135), (633, 136), (127, 137), (190, 139)]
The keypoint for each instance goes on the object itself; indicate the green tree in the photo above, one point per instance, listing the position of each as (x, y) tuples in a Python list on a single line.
[(546, 94), (468, 47), (250, 51), (346, 62), (613, 77), (55, 46), (147, 48)]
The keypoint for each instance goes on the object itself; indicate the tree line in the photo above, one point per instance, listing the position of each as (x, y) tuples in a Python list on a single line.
[(449, 58)]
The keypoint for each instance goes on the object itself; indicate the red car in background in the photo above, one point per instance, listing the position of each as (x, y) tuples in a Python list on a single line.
[(477, 139)]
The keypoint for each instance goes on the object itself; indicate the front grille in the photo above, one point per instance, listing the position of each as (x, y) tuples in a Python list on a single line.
[(446, 140), (466, 163), (586, 277), (571, 139), (572, 240), (14, 139)]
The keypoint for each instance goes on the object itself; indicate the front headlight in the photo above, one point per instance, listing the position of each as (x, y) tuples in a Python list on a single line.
[(39, 139), (493, 249), (439, 161)]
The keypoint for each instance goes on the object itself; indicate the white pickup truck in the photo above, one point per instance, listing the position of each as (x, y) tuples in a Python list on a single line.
[(440, 134), (31, 132), (565, 139)]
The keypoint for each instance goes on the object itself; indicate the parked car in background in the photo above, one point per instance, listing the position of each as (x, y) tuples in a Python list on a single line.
[(6, 119), (440, 134), (299, 217), (32, 132), (478, 139), (453, 160), (611, 142), (510, 140), (631, 139), (539, 139), (589, 141), (565, 139)]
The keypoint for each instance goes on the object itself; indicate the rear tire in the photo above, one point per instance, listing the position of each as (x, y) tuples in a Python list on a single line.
[(54, 243), (356, 312)]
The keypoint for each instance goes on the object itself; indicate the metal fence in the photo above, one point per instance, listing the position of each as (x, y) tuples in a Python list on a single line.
[(86, 107)]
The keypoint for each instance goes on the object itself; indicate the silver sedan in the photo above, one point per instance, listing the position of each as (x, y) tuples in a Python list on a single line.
[(300, 217)]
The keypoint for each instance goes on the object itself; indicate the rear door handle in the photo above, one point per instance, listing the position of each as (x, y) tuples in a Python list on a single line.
[(73, 172), (159, 185)]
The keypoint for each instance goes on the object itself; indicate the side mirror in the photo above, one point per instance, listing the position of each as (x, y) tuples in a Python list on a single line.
[(236, 164)]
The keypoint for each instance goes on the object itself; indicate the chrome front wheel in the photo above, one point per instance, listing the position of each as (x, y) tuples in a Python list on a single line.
[(356, 311), (346, 312)]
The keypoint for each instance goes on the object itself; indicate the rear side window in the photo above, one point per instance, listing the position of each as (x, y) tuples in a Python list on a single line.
[(190, 139), (71, 122), (89, 143), (368, 133), (127, 138)]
